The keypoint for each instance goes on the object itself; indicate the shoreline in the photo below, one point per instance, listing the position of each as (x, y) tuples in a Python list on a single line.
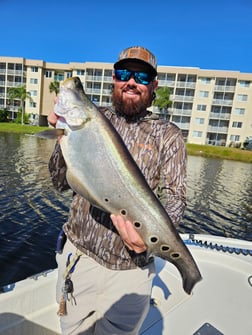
[(207, 151)]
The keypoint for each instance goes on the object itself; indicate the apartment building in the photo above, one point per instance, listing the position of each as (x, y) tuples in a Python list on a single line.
[(210, 106)]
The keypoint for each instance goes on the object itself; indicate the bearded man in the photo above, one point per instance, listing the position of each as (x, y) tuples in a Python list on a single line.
[(112, 274)]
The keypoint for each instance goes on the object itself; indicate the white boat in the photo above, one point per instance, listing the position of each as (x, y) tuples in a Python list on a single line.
[(220, 304)]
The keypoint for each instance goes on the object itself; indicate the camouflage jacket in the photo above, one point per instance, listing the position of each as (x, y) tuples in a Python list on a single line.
[(159, 150)]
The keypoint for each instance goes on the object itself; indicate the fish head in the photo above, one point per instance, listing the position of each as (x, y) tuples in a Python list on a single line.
[(69, 106), (73, 83)]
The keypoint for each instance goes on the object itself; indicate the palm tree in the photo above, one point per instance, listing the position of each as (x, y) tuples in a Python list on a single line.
[(54, 87), (162, 100), (19, 93)]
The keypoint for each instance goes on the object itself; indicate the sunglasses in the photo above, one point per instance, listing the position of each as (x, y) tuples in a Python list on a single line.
[(139, 77)]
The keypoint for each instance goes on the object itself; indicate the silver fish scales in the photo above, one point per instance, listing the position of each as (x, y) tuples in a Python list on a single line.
[(101, 169)]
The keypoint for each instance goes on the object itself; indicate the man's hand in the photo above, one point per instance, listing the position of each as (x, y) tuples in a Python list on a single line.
[(52, 118), (129, 235)]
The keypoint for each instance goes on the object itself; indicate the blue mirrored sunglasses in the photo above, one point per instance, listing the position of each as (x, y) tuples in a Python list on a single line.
[(139, 77)]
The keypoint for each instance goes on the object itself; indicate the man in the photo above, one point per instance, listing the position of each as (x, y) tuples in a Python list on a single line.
[(104, 257)]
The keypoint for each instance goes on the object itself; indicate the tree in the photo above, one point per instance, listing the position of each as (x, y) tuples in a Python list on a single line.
[(54, 87), (19, 93), (162, 100), (3, 115)]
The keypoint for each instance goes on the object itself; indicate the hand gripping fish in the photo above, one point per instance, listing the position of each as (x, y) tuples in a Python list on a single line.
[(101, 169)]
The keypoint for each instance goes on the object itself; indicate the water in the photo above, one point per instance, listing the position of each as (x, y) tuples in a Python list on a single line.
[(31, 211), (219, 197)]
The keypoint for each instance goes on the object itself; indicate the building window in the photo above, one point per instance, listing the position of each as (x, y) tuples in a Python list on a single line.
[(58, 76), (235, 138), (11, 66), (2, 66), (33, 80), (244, 83), (203, 94), (205, 80), (239, 111), (32, 104), (201, 108), (197, 133), (48, 74), (34, 69), (199, 120), (108, 73), (237, 124), (34, 93), (242, 97), (80, 72), (19, 67)]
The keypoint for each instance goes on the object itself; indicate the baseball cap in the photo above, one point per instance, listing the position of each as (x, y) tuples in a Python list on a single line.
[(138, 54)]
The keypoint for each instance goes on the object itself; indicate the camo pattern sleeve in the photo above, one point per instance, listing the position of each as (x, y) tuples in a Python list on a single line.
[(57, 169), (171, 188)]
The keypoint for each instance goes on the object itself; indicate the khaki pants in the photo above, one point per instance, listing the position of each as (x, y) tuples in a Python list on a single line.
[(108, 302)]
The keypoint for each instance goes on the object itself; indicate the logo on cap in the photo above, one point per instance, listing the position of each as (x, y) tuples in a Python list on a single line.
[(138, 53)]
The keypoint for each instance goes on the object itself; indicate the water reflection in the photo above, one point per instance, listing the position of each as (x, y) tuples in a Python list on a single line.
[(31, 211), (219, 197)]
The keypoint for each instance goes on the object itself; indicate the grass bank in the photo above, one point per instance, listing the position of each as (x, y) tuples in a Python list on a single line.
[(18, 128), (211, 151), (192, 149)]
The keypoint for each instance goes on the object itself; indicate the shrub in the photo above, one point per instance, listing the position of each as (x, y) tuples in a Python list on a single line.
[(3, 115)]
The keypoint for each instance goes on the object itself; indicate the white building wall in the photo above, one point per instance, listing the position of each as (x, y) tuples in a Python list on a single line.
[(210, 106)]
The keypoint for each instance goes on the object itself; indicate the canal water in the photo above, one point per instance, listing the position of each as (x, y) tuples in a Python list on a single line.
[(219, 202)]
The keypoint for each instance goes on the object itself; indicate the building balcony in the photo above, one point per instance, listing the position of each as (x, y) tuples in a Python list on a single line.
[(164, 82), (13, 84), (222, 116), (222, 88), (106, 104), (92, 90), (107, 79), (12, 108), (182, 125), (187, 98), (186, 84), (221, 142), (178, 112), (94, 78), (223, 102), (106, 91), (215, 129)]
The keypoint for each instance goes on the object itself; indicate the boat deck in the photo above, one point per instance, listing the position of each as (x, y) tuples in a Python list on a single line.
[(220, 304)]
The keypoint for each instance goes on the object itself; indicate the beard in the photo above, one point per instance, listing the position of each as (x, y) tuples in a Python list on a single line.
[(128, 106)]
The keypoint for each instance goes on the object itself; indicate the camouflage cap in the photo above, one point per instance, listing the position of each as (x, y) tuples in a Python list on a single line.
[(138, 54)]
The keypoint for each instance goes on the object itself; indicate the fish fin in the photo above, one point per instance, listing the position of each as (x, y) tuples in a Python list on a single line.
[(50, 133)]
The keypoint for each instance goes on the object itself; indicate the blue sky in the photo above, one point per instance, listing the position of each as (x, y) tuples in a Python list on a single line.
[(213, 34)]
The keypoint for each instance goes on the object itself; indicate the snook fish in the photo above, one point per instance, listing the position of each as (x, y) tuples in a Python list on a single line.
[(101, 169)]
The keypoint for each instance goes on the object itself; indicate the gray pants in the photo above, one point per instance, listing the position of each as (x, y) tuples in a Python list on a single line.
[(108, 302)]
